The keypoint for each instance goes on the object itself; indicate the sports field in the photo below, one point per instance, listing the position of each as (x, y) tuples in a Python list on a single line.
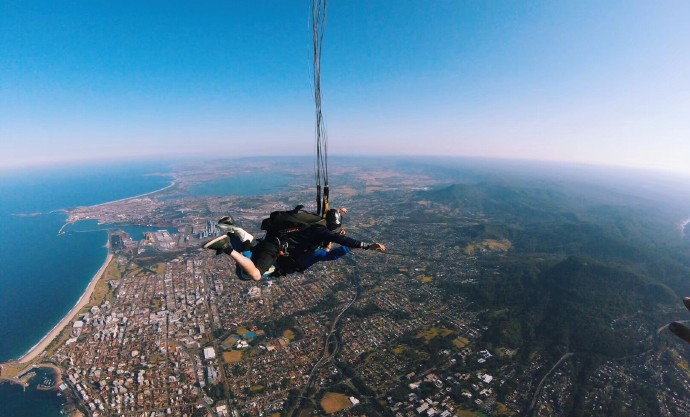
[(333, 402), (232, 356)]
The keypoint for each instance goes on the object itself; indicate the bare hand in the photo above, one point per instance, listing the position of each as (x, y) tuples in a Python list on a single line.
[(377, 246), (342, 210)]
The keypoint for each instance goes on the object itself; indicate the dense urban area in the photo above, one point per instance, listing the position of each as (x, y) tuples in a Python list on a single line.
[(175, 332)]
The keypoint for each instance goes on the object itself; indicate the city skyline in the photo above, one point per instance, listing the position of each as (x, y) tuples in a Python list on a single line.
[(594, 83)]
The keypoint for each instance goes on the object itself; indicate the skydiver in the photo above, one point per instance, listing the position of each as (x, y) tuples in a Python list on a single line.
[(263, 259), (286, 265), (242, 241), (677, 328)]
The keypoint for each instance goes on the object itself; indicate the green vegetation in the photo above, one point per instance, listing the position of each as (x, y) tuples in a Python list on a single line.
[(588, 270), (363, 311), (410, 354), (255, 389), (460, 342), (580, 261), (216, 391), (434, 332), (277, 328)]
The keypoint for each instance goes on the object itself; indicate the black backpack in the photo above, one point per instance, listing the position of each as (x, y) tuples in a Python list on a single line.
[(280, 223)]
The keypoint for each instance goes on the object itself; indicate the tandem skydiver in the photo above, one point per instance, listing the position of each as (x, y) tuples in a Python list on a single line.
[(268, 258)]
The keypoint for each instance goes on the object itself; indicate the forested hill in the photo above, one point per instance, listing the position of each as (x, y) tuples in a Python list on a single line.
[(556, 219), (589, 307), (586, 271)]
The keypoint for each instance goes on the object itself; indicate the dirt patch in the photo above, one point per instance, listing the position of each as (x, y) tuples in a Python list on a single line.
[(232, 356), (347, 191), (487, 246), (229, 342), (333, 402), (506, 353), (411, 355), (461, 342), (433, 333), (289, 334), (12, 370), (502, 409)]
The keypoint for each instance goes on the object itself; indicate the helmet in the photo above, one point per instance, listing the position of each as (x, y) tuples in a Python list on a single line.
[(334, 220)]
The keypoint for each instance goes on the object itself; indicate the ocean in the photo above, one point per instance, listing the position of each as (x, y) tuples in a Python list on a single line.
[(42, 275), (14, 402)]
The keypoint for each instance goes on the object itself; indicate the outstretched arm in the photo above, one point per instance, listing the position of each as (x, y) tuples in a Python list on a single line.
[(325, 235), (377, 246), (336, 253)]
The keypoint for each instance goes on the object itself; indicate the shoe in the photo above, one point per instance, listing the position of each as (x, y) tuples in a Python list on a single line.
[(226, 220), (241, 234), (227, 228), (226, 224), (220, 244)]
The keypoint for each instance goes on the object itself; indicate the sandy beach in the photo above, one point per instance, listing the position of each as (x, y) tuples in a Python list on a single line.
[(83, 301), (172, 184)]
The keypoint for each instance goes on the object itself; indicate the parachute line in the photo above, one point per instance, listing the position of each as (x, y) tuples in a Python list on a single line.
[(318, 15)]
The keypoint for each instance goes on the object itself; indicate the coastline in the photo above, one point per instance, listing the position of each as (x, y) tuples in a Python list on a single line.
[(173, 183), (67, 319), (23, 363), (62, 229), (42, 344)]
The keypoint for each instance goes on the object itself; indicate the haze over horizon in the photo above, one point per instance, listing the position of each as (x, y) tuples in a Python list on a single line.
[(588, 82)]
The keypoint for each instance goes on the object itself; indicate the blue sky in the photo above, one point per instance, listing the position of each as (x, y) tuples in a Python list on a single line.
[(599, 82)]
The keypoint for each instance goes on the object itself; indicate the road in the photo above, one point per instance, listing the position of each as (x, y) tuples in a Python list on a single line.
[(326, 353), (541, 383)]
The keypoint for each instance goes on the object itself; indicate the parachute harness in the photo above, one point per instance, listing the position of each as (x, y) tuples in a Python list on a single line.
[(318, 14)]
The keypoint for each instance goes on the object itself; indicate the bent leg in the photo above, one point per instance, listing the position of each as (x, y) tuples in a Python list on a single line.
[(240, 239), (238, 244), (263, 256), (246, 264)]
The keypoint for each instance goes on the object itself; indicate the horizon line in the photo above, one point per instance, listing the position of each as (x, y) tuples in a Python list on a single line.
[(124, 159)]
